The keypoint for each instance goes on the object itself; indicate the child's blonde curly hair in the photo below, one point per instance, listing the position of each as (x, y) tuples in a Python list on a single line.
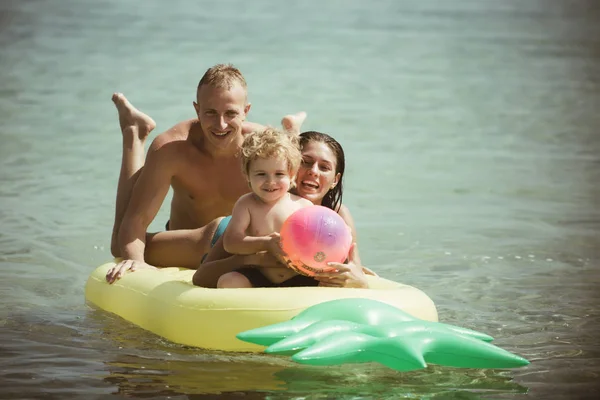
[(271, 143)]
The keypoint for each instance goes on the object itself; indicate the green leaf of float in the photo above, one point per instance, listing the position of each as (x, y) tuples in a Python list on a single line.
[(363, 311), (353, 347), (358, 310), (409, 352), (320, 330), (311, 335)]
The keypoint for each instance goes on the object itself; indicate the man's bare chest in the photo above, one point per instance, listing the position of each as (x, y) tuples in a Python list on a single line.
[(209, 184)]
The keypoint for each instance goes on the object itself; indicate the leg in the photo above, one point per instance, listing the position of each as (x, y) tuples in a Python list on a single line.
[(292, 123), (245, 277), (249, 127), (232, 280), (135, 127), (180, 248)]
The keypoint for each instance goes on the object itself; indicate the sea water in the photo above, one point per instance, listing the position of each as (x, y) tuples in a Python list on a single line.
[(471, 136)]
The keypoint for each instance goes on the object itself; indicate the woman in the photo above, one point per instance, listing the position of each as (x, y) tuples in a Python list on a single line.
[(319, 180)]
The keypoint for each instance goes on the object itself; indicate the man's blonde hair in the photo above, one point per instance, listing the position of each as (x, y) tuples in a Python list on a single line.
[(222, 76), (271, 143)]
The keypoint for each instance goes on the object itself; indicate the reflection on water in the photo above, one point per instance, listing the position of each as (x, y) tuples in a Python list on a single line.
[(140, 377), (136, 376), (138, 364), (141, 364)]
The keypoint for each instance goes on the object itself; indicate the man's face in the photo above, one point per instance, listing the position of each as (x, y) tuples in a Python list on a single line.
[(221, 113)]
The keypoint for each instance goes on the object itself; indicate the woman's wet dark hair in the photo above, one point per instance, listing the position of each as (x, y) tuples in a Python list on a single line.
[(333, 198)]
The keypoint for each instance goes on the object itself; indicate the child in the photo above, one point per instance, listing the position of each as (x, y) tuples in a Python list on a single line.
[(270, 161)]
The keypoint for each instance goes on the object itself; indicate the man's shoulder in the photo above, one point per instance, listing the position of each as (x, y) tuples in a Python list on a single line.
[(177, 134)]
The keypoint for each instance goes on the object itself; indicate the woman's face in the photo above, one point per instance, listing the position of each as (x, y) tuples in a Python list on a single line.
[(316, 175)]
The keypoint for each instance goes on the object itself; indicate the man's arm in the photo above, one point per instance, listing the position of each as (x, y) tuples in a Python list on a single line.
[(148, 194)]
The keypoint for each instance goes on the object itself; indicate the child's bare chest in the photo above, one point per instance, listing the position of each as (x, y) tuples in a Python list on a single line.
[(266, 220)]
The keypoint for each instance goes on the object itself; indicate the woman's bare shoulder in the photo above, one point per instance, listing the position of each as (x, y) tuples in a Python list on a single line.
[(344, 211)]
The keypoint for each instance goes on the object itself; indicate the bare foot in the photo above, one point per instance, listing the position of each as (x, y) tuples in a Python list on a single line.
[(293, 122), (131, 119)]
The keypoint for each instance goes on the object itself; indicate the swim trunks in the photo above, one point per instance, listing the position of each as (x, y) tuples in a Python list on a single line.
[(218, 233), (220, 230), (257, 279)]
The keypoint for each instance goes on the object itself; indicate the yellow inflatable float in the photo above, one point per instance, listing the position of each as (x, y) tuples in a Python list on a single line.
[(166, 303)]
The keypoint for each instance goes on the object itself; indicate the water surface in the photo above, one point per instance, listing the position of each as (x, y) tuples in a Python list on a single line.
[(471, 134)]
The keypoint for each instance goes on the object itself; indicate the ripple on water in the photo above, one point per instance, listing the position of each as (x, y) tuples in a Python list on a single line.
[(470, 131)]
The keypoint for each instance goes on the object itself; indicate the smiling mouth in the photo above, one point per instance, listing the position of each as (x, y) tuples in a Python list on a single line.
[(310, 185), (220, 134)]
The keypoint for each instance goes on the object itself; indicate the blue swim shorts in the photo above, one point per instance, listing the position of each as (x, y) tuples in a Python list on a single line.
[(220, 230), (218, 233)]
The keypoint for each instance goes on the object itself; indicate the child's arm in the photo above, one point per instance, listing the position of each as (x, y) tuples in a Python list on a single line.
[(235, 239)]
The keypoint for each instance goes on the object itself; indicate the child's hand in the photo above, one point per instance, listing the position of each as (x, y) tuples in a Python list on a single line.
[(274, 244), (275, 249)]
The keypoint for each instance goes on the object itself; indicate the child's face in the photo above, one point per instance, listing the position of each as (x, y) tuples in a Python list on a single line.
[(269, 178)]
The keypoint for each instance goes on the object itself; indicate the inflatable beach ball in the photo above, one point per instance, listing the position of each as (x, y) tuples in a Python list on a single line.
[(314, 236)]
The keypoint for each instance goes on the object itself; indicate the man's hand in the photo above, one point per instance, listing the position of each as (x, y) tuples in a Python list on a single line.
[(118, 270)]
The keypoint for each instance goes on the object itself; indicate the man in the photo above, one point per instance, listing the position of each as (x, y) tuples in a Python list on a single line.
[(198, 158)]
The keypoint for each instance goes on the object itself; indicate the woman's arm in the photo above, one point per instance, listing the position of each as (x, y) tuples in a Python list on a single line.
[(219, 262), (353, 256), (352, 274)]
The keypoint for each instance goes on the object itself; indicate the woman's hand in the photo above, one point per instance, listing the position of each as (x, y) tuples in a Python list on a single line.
[(263, 260), (345, 275), (353, 258), (368, 271)]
